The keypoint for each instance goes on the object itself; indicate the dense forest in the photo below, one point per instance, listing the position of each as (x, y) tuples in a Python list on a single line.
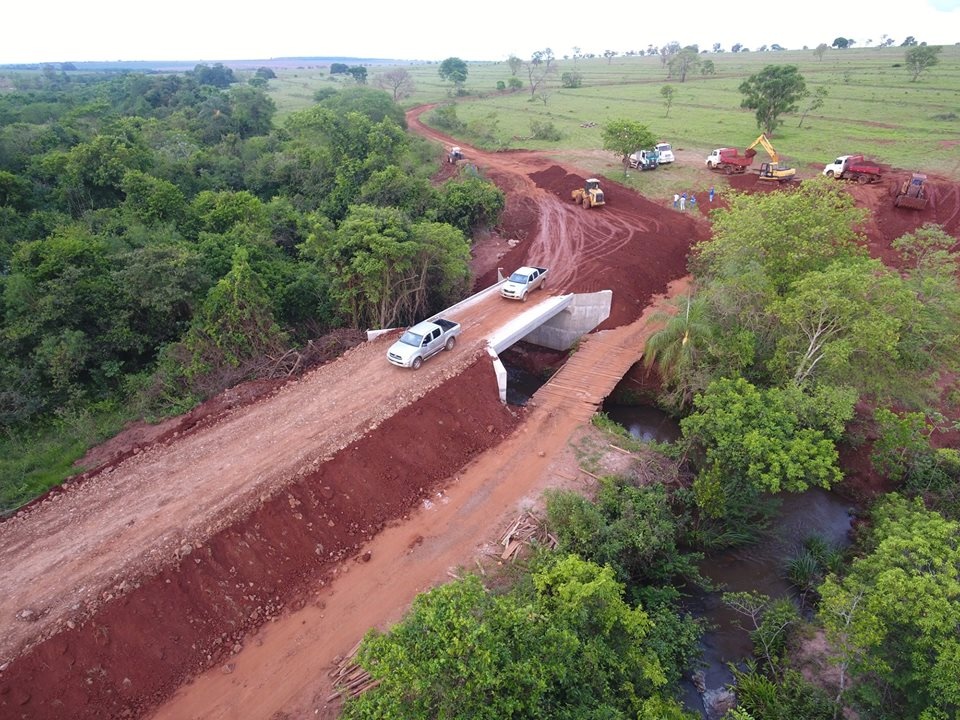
[(162, 239)]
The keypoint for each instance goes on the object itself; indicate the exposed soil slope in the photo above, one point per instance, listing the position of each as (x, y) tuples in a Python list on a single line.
[(201, 550)]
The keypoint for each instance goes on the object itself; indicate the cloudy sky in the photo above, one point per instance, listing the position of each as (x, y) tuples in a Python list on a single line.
[(62, 30)]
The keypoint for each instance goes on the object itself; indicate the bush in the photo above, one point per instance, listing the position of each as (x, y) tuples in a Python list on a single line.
[(445, 118), (501, 85), (571, 80), (544, 131), (515, 83)]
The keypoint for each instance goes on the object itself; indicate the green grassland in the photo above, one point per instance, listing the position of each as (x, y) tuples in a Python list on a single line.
[(872, 107)]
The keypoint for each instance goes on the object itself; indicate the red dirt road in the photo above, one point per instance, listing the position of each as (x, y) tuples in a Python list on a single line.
[(224, 547)]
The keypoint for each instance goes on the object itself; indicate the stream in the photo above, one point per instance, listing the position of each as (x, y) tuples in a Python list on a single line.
[(759, 567)]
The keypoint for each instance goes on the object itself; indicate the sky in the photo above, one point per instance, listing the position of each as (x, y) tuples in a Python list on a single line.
[(201, 30)]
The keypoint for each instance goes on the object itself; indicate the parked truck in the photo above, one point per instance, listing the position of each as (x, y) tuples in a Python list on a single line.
[(729, 161), (523, 281), (664, 152), (423, 341), (853, 167), (644, 160)]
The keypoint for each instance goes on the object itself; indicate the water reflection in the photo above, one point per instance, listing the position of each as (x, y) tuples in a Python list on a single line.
[(644, 422)]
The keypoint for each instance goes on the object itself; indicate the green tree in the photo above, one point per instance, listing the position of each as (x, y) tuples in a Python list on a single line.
[(684, 62), (233, 332), (454, 70), (515, 64), (820, 51), (678, 349), (564, 646), (217, 75), (470, 204), (383, 268), (540, 68), (894, 618), (772, 92), (749, 441), (815, 102), (920, 58), (840, 43), (358, 73), (845, 321), (668, 92), (622, 137), (339, 68)]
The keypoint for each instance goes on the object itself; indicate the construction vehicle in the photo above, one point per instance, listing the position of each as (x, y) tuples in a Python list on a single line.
[(644, 160), (912, 193), (590, 195), (455, 154), (853, 167), (774, 170), (730, 161)]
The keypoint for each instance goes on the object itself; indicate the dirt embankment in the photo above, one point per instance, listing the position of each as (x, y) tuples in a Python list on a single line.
[(235, 524)]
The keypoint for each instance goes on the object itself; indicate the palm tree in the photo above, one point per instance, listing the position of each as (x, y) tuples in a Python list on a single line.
[(678, 348)]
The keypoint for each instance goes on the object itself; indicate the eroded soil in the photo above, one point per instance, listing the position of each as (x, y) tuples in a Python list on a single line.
[(243, 553)]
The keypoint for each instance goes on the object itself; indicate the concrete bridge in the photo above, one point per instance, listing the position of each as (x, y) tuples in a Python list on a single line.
[(552, 321)]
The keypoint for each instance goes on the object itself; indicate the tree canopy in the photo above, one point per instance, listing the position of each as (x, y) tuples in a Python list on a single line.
[(622, 137), (772, 92), (920, 58), (564, 646), (454, 70), (894, 616)]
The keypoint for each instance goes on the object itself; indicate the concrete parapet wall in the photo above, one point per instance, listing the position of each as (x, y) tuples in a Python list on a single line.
[(580, 316)]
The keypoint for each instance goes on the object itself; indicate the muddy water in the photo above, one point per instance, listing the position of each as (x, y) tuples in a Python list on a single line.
[(644, 422), (521, 384), (760, 567)]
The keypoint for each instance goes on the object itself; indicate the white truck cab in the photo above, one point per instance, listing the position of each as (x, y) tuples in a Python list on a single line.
[(665, 151)]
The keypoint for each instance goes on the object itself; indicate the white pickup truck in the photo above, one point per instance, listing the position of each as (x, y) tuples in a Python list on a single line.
[(523, 281), (422, 341)]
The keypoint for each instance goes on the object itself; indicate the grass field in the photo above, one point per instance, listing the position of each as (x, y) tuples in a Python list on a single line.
[(872, 107)]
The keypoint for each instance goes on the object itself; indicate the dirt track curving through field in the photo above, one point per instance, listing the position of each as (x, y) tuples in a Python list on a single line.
[(245, 554)]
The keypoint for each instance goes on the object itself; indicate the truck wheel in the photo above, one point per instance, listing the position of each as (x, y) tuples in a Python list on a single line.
[(417, 362), (450, 343), (863, 179), (830, 174)]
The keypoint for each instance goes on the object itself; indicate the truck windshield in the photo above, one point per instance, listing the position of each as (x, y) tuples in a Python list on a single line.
[(518, 278), (409, 338)]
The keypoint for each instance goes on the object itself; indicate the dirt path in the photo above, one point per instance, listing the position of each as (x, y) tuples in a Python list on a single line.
[(207, 552)]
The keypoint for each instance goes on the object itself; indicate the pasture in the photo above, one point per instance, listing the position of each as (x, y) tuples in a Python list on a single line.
[(872, 107)]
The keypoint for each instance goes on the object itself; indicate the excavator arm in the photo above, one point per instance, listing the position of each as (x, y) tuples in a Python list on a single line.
[(765, 144)]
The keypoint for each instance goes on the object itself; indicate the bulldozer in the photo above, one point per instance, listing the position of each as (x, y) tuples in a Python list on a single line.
[(912, 193), (590, 195), (774, 170)]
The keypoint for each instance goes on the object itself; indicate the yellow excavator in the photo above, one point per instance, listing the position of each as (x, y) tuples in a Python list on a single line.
[(773, 170)]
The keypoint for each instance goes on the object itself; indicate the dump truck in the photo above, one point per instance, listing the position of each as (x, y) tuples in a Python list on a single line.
[(523, 281), (729, 161), (590, 195), (644, 160), (423, 341), (853, 167), (912, 192)]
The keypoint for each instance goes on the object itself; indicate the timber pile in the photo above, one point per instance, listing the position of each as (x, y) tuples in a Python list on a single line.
[(349, 679), (526, 528)]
